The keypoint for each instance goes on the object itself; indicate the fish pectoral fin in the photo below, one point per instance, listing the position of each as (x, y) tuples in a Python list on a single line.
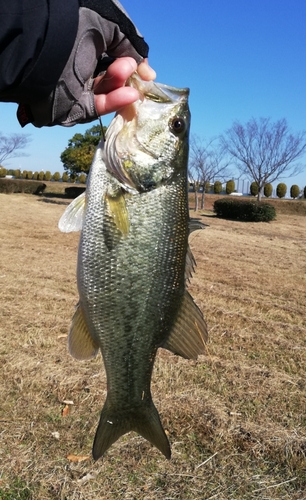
[(73, 217), (116, 209), (80, 343), (115, 422), (189, 333)]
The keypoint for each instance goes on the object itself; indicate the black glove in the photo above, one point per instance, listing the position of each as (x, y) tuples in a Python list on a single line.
[(105, 33)]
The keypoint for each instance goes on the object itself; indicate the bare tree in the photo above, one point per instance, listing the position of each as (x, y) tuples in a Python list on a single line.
[(264, 150), (207, 163), (11, 146)]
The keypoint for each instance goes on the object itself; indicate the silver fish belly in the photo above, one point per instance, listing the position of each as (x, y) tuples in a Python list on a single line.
[(132, 261)]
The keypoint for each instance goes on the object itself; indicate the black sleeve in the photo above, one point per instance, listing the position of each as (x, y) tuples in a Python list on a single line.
[(36, 39)]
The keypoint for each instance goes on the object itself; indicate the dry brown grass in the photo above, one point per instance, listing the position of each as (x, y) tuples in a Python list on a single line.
[(236, 418)]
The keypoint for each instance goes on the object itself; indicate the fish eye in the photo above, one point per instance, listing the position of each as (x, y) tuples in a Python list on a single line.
[(177, 125)]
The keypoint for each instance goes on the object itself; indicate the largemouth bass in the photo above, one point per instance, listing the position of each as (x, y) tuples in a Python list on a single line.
[(133, 259)]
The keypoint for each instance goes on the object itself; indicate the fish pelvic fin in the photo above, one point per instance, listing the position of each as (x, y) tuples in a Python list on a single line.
[(189, 333), (143, 419), (73, 217), (80, 343), (116, 208)]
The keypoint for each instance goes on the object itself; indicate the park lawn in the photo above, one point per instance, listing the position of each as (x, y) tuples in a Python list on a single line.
[(236, 417)]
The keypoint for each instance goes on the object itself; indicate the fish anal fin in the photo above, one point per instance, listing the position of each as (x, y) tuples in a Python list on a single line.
[(143, 419), (80, 343), (116, 209), (189, 333), (190, 264), (73, 217), (196, 225)]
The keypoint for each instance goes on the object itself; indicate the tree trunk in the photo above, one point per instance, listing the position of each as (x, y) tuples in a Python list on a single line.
[(203, 199), (196, 201)]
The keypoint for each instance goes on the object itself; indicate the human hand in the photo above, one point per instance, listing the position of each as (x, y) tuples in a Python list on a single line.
[(110, 92), (78, 96)]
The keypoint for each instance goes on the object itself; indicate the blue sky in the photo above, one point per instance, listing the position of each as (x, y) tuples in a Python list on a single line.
[(240, 58)]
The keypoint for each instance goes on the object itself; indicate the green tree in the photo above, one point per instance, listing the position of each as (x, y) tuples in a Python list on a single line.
[(56, 176), (79, 154), (217, 187), (47, 176), (65, 177), (30, 174), (3, 171), (281, 190), (24, 174), (17, 173), (82, 178), (41, 175), (254, 188), (294, 191), (35, 175), (207, 187), (268, 190), (230, 186)]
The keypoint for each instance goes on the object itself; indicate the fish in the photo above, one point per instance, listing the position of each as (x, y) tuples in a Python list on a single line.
[(134, 261)]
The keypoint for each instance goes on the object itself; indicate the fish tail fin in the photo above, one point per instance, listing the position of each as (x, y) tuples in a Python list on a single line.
[(143, 419)]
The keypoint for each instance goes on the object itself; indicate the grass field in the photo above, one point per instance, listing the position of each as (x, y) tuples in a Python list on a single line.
[(236, 418)]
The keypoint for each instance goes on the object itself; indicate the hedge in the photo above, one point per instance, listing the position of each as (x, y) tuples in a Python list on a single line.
[(74, 191), (254, 188), (294, 191), (230, 187), (9, 186), (248, 211), (281, 190), (268, 190), (217, 187)]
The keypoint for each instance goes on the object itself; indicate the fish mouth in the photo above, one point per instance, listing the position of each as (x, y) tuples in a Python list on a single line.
[(126, 142), (157, 92)]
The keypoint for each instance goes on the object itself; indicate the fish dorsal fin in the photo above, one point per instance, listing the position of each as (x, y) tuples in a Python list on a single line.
[(116, 209), (80, 343), (189, 333), (72, 218)]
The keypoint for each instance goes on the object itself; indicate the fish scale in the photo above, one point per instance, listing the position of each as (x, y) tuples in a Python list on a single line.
[(132, 260), (150, 276)]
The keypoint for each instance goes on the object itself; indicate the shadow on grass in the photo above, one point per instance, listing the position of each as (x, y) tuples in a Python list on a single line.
[(208, 214), (57, 199)]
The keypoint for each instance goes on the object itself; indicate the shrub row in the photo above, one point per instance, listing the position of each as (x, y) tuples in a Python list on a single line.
[(42, 176), (217, 188), (9, 186), (249, 211), (281, 190), (268, 189)]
